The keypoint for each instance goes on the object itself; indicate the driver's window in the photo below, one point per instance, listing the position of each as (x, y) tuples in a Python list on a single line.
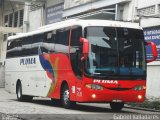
[(76, 50)]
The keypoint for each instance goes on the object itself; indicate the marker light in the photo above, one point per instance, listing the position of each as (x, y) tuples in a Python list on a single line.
[(94, 86), (139, 87), (139, 97), (93, 96)]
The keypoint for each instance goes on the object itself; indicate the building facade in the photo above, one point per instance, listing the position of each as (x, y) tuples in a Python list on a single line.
[(11, 22), (149, 13)]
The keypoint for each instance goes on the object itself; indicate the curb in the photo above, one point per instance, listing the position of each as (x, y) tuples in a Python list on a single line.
[(140, 108)]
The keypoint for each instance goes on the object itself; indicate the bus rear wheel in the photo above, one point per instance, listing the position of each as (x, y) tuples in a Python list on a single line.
[(20, 96), (65, 98), (116, 106)]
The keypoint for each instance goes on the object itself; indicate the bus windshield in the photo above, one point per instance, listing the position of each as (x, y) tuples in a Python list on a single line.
[(115, 52)]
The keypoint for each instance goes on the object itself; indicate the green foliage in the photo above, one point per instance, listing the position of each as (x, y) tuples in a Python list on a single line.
[(147, 104)]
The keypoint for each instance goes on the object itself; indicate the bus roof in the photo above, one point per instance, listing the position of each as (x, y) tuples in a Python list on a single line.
[(78, 22)]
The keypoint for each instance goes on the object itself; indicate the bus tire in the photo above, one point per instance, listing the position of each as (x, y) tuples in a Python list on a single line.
[(116, 106), (66, 103), (20, 96)]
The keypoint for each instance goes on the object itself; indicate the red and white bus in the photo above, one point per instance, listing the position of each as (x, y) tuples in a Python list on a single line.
[(73, 61)]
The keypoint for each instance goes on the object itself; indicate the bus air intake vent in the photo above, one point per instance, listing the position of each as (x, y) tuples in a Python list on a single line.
[(119, 89)]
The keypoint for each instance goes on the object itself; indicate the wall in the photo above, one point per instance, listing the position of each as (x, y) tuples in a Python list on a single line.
[(7, 10), (73, 3), (33, 16), (145, 3), (1, 60), (126, 11), (153, 75), (3, 52), (4, 10), (35, 19), (53, 2), (146, 21), (89, 6), (1, 36), (2, 77), (153, 81)]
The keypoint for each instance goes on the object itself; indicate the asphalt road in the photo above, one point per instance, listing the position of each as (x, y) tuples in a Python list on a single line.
[(42, 108)]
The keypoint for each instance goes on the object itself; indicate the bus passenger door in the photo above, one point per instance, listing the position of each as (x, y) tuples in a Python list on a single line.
[(75, 55)]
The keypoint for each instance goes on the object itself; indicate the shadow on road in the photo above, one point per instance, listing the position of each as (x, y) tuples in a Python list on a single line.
[(79, 107)]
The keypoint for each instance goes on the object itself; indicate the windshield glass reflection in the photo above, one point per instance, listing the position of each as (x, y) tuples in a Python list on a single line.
[(115, 51)]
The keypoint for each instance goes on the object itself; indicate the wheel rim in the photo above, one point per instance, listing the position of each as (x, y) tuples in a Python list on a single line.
[(66, 96)]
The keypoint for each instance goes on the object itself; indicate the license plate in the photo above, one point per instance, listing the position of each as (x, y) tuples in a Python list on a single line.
[(116, 100)]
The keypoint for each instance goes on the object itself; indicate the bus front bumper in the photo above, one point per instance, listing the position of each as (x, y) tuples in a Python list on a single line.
[(89, 95)]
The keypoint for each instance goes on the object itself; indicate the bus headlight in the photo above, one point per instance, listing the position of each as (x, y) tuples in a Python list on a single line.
[(94, 86), (140, 97), (139, 87)]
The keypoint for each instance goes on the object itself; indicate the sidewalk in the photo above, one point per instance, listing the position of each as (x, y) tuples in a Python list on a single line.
[(140, 108), (5, 96)]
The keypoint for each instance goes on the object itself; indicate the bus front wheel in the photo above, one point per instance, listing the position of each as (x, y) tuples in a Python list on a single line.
[(116, 106), (65, 98)]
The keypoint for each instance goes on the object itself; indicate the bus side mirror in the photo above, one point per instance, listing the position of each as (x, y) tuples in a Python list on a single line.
[(154, 51), (85, 50)]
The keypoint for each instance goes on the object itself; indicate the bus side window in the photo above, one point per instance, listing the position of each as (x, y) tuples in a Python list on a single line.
[(38, 38), (13, 48), (49, 42), (18, 48), (26, 45), (62, 40), (76, 50), (27, 40), (37, 43), (50, 37), (62, 36), (10, 46)]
